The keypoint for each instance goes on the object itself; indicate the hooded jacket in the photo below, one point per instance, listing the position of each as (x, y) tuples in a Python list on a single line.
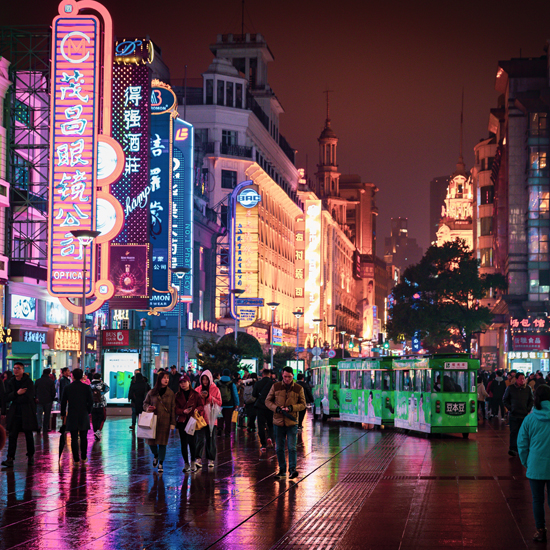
[(496, 388), (518, 400), (534, 443), (226, 380), (214, 396)]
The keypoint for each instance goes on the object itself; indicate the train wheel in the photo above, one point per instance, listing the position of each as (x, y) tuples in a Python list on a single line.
[(466, 435)]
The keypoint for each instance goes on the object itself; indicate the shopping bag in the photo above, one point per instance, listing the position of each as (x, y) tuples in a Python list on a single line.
[(148, 433), (235, 416), (146, 419), (190, 426), (201, 422)]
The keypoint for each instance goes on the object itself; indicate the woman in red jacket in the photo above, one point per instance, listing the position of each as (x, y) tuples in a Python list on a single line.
[(212, 407), (187, 402)]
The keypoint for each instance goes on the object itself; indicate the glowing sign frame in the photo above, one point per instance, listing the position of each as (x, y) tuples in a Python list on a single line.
[(313, 218)]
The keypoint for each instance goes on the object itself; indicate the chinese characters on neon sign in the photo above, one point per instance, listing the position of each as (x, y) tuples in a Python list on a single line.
[(313, 263)]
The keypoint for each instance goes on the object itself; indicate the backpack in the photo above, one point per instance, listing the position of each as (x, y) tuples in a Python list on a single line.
[(248, 398), (225, 391), (96, 395)]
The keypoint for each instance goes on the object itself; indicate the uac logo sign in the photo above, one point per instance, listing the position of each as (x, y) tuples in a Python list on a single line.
[(249, 198)]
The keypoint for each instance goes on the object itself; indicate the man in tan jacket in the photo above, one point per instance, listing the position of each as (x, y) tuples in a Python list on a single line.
[(286, 399)]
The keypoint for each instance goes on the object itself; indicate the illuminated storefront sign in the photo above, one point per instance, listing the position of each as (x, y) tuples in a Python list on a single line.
[(73, 167), (205, 326), (182, 208), (531, 342), (244, 249), (163, 110), (66, 339), (115, 338), (312, 286), (23, 307)]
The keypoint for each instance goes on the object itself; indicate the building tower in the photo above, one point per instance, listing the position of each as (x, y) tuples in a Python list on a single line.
[(327, 175)]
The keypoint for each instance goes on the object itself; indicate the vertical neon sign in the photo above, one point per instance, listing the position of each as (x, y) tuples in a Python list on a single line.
[(75, 94), (313, 263)]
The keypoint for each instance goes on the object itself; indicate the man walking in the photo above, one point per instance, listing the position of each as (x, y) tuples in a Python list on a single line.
[(21, 414), (263, 414), (136, 395), (286, 399), (230, 399), (64, 381), (309, 399), (44, 389), (518, 399), (99, 408), (174, 382)]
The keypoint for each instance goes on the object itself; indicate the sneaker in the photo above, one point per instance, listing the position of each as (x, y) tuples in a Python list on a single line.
[(540, 535), (187, 468), (155, 462), (161, 469), (512, 453), (210, 463), (8, 463), (293, 474), (193, 467), (198, 463), (97, 436), (280, 475), (263, 450), (132, 427), (269, 442), (30, 461), (84, 460)]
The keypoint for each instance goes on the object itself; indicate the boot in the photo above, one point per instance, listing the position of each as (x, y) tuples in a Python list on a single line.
[(540, 535)]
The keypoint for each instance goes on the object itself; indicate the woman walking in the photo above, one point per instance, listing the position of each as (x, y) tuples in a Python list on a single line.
[(534, 450), (187, 402), (162, 401), (212, 406)]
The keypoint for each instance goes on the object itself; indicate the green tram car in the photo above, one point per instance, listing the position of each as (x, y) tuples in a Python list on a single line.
[(436, 394), (367, 391), (325, 387)]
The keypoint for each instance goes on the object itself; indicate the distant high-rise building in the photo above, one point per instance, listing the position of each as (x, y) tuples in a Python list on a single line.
[(438, 192), (400, 250)]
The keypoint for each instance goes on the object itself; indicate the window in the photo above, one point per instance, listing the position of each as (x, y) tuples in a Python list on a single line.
[(239, 96), (345, 379), (201, 135), (486, 226), (367, 380), (201, 305), (353, 380), (437, 380), (229, 101), (209, 92), (229, 137), (487, 194), (455, 381), (334, 375), (219, 90), (229, 179), (486, 257), (377, 380), (538, 124), (538, 158), (201, 258)]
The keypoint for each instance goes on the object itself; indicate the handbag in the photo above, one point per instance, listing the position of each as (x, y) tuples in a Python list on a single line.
[(190, 426), (235, 416), (146, 419), (201, 422), (148, 433)]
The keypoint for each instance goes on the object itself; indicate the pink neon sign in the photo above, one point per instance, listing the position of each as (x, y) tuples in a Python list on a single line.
[(73, 146)]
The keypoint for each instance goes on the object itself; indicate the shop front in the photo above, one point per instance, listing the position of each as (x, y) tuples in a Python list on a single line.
[(530, 339)]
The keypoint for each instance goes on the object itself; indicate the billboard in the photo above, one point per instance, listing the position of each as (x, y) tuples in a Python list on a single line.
[(118, 370), (312, 285), (129, 273), (244, 245)]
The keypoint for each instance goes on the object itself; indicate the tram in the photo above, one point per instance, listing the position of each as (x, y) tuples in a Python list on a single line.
[(325, 386), (436, 394), (367, 391)]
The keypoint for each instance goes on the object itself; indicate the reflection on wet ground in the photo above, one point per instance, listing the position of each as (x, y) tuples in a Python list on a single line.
[(357, 489)]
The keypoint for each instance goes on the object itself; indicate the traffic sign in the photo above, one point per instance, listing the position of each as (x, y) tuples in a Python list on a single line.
[(331, 353), (316, 351), (299, 350)]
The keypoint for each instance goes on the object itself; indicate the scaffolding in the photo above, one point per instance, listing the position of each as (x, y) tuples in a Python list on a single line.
[(27, 118)]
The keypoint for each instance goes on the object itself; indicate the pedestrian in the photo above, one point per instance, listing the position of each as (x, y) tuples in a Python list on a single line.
[(206, 438), (99, 409), (309, 399), (481, 396), (539, 379), (44, 389), (174, 383), (286, 399), (511, 378), (78, 396), (53, 375), (187, 402), (230, 399), (531, 381), (2, 397), (64, 381), (496, 389), (21, 414), (518, 399), (162, 401), (249, 400), (263, 414), (136, 395), (534, 450)]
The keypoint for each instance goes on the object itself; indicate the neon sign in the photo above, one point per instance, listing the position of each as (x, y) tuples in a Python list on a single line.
[(312, 285)]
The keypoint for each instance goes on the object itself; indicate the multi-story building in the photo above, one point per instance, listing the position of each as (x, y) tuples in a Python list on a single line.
[(438, 192), (400, 249)]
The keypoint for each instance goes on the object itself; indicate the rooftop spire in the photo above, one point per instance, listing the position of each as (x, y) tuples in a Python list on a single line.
[(327, 121), (460, 166)]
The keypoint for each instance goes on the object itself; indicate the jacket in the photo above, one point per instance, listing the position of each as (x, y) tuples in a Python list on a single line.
[(2, 398), (165, 410), (138, 392), (534, 443), (261, 390), (481, 392), (307, 391), (78, 396), (280, 395), (103, 389), (518, 400), (63, 383), (22, 406), (226, 380), (496, 388), (213, 398), (174, 382), (44, 389), (194, 402)]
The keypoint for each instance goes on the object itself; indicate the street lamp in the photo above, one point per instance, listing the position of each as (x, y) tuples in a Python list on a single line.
[(360, 338), (331, 328), (343, 332), (273, 306), (236, 292), (297, 314), (180, 272), (85, 237), (318, 323)]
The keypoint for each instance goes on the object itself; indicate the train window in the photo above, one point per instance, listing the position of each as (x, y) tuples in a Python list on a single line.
[(367, 380), (314, 377), (334, 375), (386, 381), (342, 378), (359, 380), (404, 380), (418, 379), (377, 380), (437, 380), (473, 387), (346, 380), (454, 381), (353, 379), (428, 381)]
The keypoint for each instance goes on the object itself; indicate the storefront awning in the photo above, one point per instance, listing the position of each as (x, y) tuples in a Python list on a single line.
[(23, 357)]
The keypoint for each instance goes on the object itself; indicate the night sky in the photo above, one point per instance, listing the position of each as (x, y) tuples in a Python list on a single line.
[(397, 70)]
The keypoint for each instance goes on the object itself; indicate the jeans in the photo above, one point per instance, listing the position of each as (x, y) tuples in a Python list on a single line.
[(14, 434), (159, 451), (515, 425), (83, 444), (134, 416), (206, 438), (43, 412), (187, 441), (250, 411), (537, 490), (481, 408), (496, 404), (265, 421), (288, 433), (227, 416), (98, 418)]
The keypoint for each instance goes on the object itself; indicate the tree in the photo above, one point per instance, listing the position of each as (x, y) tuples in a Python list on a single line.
[(248, 345), (280, 357), (218, 355), (438, 299)]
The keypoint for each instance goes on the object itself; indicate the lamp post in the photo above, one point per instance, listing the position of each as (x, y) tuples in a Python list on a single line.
[(297, 314), (360, 338), (85, 237), (273, 306), (343, 332), (236, 293), (318, 323), (331, 328), (180, 274)]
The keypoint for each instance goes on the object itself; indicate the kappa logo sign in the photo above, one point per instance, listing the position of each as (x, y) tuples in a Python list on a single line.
[(116, 338)]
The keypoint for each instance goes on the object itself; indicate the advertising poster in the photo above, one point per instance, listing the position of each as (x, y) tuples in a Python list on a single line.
[(412, 411), (23, 307), (118, 370), (129, 270)]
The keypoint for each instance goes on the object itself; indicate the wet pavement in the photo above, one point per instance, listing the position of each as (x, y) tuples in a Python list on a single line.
[(357, 489)]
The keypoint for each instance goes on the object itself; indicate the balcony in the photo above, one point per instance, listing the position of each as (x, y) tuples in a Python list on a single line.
[(236, 151)]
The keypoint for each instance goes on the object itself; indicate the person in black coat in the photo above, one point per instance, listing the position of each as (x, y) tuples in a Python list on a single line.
[(137, 393), (309, 399), (44, 388), (263, 414), (80, 400), (21, 414), (2, 398)]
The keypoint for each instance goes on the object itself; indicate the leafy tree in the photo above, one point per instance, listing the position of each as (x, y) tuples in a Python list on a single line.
[(438, 299), (280, 357), (218, 355), (249, 346)]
